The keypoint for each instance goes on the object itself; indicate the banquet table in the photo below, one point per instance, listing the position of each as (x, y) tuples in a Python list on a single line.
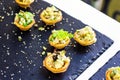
[(97, 20), (76, 9)]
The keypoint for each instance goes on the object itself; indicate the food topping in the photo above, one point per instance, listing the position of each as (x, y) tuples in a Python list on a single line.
[(60, 36), (115, 74), (86, 34), (24, 18), (52, 13), (59, 59)]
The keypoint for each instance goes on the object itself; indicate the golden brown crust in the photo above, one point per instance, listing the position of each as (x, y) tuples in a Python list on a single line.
[(47, 62), (85, 36), (24, 28), (58, 45), (108, 72), (24, 5), (83, 42), (50, 22)]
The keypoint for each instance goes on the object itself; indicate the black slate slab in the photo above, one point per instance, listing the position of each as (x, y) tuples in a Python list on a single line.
[(23, 60), (113, 62)]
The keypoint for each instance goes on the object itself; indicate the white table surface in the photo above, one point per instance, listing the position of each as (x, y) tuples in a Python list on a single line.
[(98, 21)]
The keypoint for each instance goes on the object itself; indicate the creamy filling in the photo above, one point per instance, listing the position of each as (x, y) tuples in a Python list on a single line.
[(86, 34), (59, 59), (24, 18), (60, 36), (58, 41), (52, 13), (115, 74)]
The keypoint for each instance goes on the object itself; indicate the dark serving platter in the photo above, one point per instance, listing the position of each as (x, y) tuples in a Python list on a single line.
[(23, 60), (113, 62)]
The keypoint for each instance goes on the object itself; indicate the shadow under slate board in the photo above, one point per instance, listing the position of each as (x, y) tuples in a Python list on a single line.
[(113, 62), (23, 60)]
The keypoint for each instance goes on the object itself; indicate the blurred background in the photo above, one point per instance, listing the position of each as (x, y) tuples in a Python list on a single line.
[(109, 7)]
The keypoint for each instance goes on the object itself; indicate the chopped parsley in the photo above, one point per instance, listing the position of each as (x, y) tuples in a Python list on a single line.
[(60, 35)]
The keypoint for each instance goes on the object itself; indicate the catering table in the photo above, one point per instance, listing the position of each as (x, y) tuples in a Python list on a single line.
[(23, 58)]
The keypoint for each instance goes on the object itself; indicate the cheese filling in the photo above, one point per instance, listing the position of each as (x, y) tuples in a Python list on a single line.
[(86, 34), (115, 74), (59, 59), (24, 18), (52, 13)]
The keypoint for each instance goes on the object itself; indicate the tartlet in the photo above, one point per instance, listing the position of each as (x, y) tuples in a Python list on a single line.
[(113, 73), (24, 3), (60, 38), (24, 20), (51, 15), (85, 36), (57, 62)]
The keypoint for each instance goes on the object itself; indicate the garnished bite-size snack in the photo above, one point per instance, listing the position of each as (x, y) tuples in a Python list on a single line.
[(24, 3), (57, 62), (85, 36), (113, 73), (51, 15), (24, 20), (60, 38)]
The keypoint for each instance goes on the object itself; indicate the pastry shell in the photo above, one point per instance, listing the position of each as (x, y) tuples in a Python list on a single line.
[(58, 45), (50, 22), (107, 74), (24, 28), (47, 62), (85, 42), (24, 5)]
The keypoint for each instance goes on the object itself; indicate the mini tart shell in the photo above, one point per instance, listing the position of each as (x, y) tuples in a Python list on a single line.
[(84, 42), (47, 63), (107, 74), (50, 22), (24, 5), (24, 28), (58, 45)]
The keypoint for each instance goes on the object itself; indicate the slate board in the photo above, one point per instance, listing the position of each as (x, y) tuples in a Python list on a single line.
[(23, 60), (113, 62)]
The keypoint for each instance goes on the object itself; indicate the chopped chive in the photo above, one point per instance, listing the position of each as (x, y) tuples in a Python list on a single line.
[(41, 28), (44, 48), (19, 38), (43, 53)]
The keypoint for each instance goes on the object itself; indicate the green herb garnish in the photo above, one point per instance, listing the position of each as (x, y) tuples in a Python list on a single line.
[(41, 28), (44, 48), (19, 38), (24, 18), (43, 53), (60, 35)]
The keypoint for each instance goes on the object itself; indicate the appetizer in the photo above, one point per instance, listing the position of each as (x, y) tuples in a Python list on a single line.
[(57, 62), (51, 15), (24, 20), (113, 73), (85, 36), (60, 38), (24, 3)]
